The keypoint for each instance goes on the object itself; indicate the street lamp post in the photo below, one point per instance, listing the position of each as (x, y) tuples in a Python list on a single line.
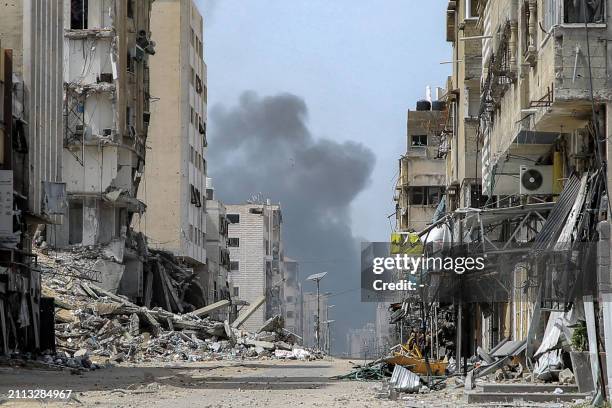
[(317, 279)]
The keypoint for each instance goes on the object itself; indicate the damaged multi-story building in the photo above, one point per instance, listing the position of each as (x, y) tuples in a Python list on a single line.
[(31, 136), (421, 181), (174, 179), (217, 252), (106, 107), (526, 146), (256, 258)]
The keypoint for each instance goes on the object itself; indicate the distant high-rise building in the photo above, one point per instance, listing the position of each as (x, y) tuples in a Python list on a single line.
[(256, 256)]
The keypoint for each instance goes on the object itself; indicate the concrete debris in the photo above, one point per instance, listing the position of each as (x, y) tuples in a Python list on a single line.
[(99, 327), (566, 377)]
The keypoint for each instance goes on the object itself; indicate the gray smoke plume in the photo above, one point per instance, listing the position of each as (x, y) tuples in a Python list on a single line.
[(264, 145)]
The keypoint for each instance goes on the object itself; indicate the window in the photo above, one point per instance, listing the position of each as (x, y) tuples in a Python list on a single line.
[(425, 195), (434, 194), (233, 218), (192, 115), (289, 299), (233, 242), (290, 314), (594, 11), (78, 14), (210, 194), (236, 291), (192, 79), (418, 140), (234, 266), (198, 84), (190, 232), (130, 8), (195, 197), (471, 8), (192, 37)]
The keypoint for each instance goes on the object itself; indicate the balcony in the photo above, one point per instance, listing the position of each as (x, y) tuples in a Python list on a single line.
[(560, 100)]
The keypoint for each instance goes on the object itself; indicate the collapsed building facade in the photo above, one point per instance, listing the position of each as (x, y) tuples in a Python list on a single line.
[(106, 112), (526, 147)]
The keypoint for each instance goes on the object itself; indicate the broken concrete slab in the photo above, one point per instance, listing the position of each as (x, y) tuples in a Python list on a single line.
[(211, 308), (110, 274)]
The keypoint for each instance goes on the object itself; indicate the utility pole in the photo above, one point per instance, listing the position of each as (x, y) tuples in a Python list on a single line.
[(317, 279)]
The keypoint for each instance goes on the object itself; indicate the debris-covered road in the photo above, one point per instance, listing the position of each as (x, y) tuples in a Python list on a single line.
[(266, 383)]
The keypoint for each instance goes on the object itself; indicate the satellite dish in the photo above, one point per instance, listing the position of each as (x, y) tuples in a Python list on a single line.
[(532, 179)]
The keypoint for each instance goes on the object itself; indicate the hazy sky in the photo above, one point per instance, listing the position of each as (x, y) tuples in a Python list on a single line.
[(357, 65)]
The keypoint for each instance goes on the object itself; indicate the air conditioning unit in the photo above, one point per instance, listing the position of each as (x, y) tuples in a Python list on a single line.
[(536, 180)]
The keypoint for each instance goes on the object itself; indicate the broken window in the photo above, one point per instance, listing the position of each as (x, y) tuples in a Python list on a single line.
[(583, 11), (233, 218), (233, 242), (418, 196), (78, 14), (234, 266), (418, 140)]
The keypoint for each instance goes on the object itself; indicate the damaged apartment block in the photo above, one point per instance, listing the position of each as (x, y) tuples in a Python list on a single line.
[(107, 46), (526, 139)]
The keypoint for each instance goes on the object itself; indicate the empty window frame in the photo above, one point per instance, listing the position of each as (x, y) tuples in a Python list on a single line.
[(233, 218), (233, 242), (78, 14), (418, 140), (236, 291), (234, 266)]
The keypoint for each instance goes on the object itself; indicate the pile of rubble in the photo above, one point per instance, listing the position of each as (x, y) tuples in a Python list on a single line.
[(93, 324)]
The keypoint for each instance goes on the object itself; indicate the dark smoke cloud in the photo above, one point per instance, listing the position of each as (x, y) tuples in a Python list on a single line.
[(264, 145)]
